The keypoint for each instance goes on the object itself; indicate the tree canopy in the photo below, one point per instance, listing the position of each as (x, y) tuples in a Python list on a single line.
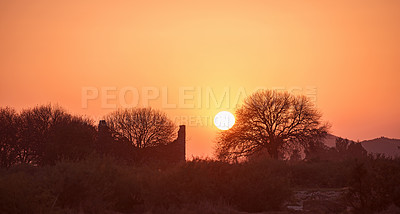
[(278, 122), (43, 135), (142, 127)]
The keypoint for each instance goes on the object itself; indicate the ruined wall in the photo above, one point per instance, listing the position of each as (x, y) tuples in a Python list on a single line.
[(173, 152)]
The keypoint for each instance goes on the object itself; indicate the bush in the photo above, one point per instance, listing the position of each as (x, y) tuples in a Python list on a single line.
[(325, 174), (259, 186), (249, 187), (374, 185), (20, 193), (90, 186)]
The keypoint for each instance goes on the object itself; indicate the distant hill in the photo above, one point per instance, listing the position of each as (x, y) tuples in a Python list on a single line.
[(383, 145)]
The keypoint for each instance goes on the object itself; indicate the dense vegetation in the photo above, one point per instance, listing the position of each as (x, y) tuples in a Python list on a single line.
[(100, 185)]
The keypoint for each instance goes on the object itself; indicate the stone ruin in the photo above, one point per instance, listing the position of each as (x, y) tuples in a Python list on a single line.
[(173, 152)]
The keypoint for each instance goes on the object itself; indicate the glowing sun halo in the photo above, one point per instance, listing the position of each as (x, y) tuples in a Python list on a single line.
[(224, 120)]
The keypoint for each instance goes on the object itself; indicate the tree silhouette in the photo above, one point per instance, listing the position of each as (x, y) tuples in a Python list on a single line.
[(141, 127), (34, 130), (48, 134), (72, 138), (8, 136), (271, 120), (43, 135), (349, 149)]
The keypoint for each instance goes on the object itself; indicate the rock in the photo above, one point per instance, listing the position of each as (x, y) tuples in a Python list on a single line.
[(323, 206)]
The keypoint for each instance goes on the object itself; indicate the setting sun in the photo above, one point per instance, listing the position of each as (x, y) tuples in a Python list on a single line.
[(224, 120)]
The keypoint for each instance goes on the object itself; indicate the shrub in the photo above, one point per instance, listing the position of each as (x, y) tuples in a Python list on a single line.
[(325, 174), (259, 186), (93, 185), (20, 193), (248, 187), (374, 185)]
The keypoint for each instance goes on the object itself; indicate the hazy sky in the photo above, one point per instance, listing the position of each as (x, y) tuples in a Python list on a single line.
[(345, 54)]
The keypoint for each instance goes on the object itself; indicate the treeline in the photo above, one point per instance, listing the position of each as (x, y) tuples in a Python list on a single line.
[(43, 135), (46, 134), (344, 149)]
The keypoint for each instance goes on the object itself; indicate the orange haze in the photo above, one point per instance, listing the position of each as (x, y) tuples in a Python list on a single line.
[(347, 52)]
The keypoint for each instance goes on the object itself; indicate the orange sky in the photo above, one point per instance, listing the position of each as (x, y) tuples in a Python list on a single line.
[(347, 50)]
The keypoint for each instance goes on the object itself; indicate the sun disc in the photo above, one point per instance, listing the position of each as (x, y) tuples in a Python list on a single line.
[(224, 120)]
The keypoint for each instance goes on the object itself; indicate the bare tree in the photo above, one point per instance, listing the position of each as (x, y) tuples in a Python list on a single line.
[(142, 127), (48, 133), (8, 136), (34, 131), (43, 135), (273, 121)]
